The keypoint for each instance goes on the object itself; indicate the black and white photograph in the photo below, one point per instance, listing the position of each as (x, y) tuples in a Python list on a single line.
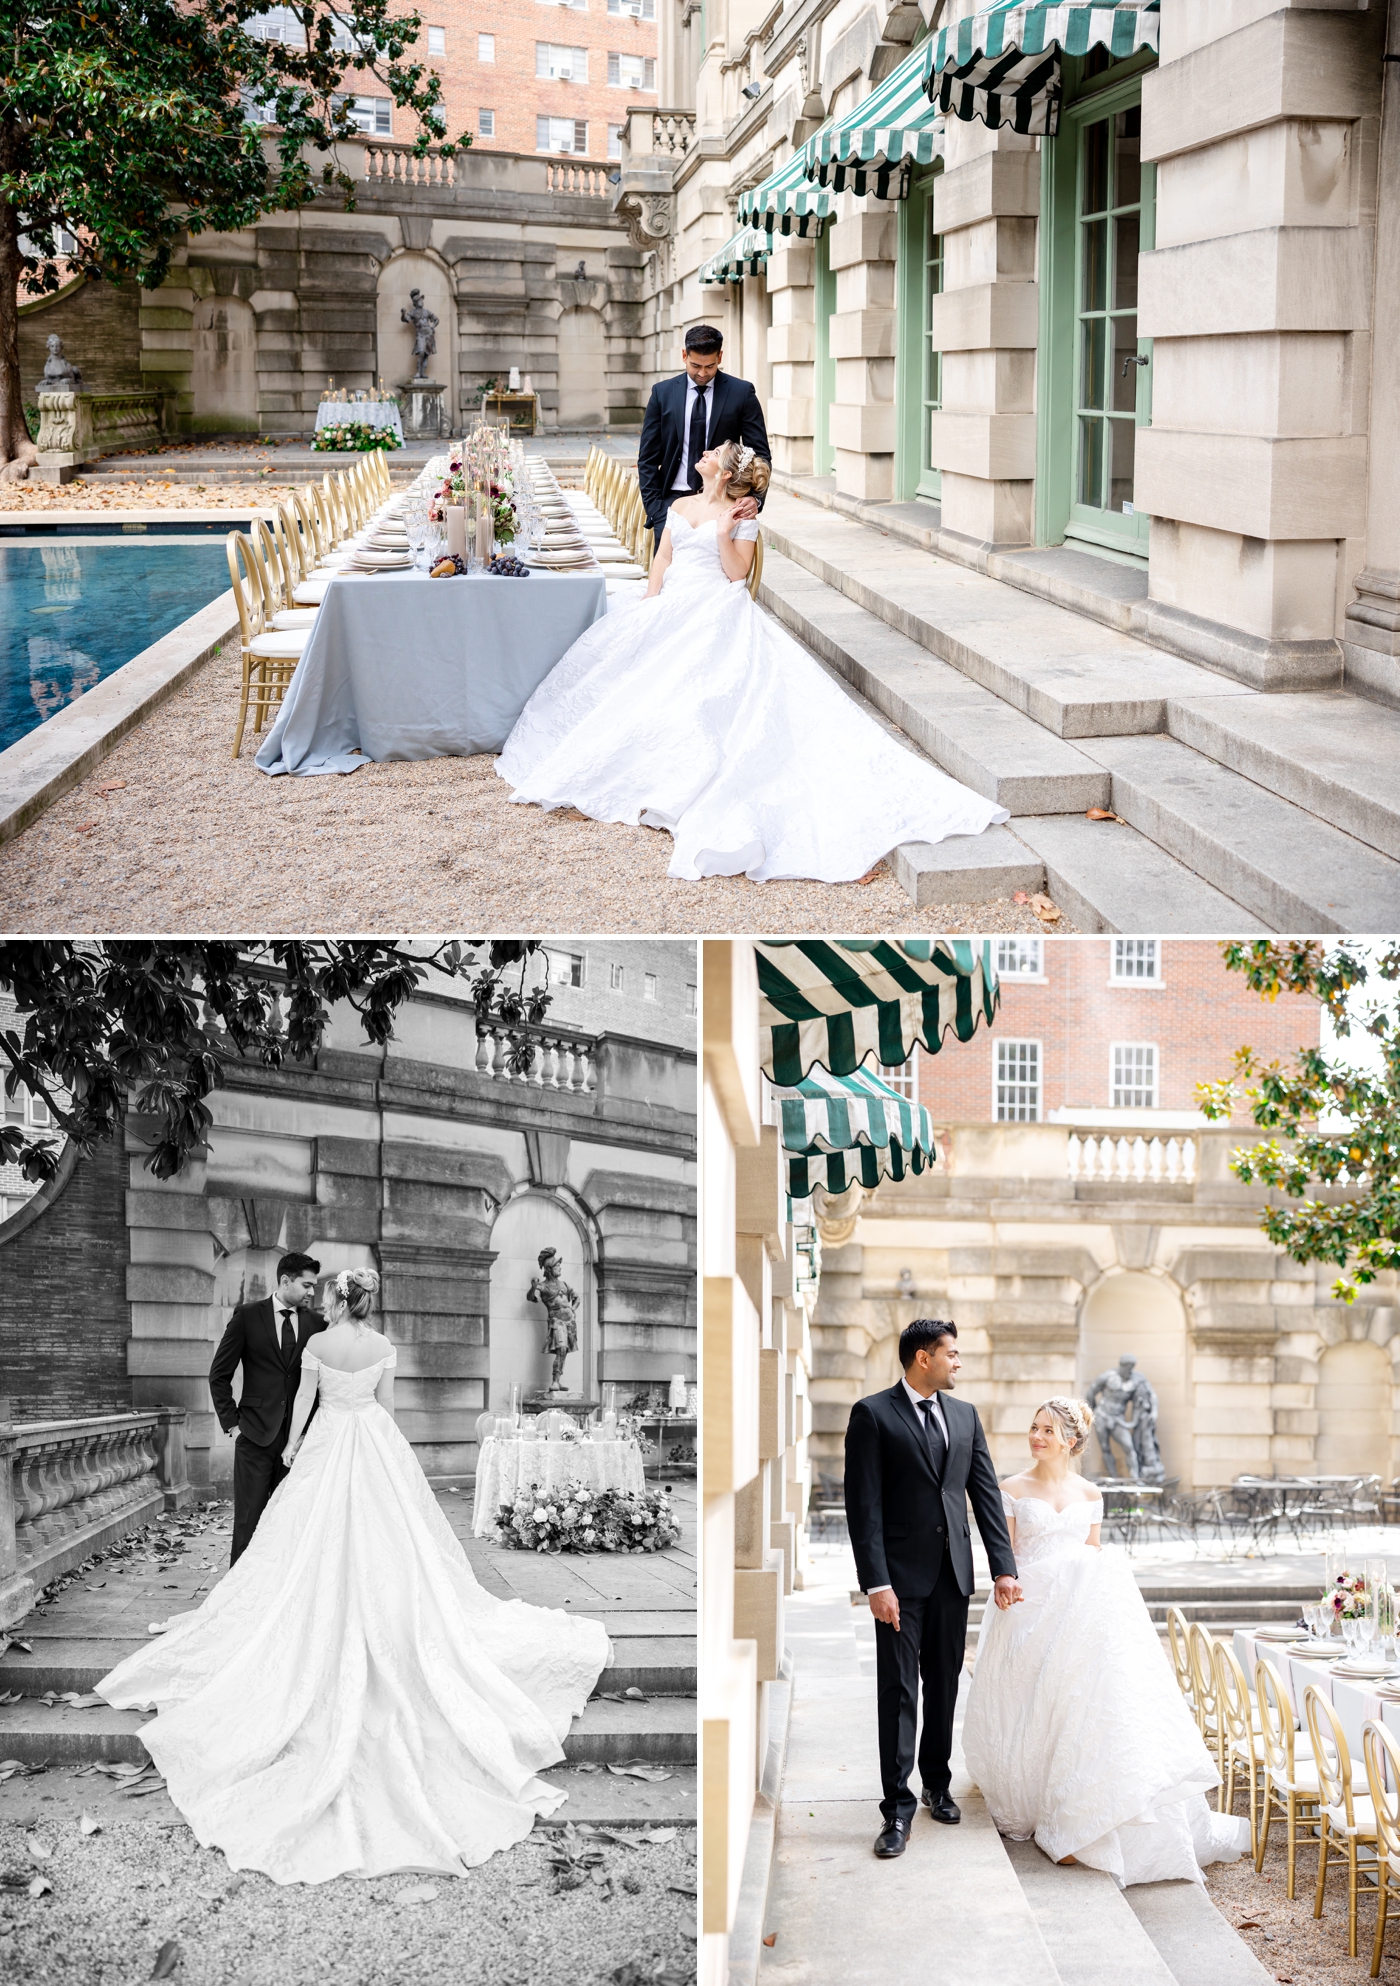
[(348, 1513)]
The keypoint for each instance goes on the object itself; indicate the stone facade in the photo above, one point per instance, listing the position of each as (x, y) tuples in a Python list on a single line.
[(1255, 485), (424, 1161), (249, 329)]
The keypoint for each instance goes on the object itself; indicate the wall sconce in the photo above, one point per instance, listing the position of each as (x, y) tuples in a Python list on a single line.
[(753, 91)]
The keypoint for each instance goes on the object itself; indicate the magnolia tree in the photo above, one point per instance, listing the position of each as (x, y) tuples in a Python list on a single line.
[(131, 124), (106, 1024), (1331, 1125)]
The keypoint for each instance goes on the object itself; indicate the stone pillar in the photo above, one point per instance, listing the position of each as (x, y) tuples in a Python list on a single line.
[(277, 306), (16, 1588), (171, 1470), (792, 352), (986, 326), (1371, 635), (862, 250), (171, 1290), (1258, 297), (167, 343)]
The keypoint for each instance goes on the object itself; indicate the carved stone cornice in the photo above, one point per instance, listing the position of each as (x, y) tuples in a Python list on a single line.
[(650, 217)]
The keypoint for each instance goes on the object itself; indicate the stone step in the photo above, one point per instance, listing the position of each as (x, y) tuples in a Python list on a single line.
[(969, 731), (661, 1732), (1075, 677), (967, 868), (1109, 876), (660, 1665), (1329, 751), (1090, 1932), (1285, 866)]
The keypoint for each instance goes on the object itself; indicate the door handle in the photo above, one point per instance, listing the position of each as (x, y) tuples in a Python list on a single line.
[(1130, 360)]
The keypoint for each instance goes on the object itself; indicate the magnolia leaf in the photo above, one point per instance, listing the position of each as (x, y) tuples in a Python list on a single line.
[(419, 1893), (88, 1825), (167, 1959), (41, 1886), (40, 1850), (654, 1774)]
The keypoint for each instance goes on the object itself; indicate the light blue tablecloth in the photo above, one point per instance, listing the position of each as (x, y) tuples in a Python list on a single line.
[(400, 666)]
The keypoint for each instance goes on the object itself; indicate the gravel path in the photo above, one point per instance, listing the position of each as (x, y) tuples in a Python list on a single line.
[(121, 1895), (1289, 1942), (196, 842)]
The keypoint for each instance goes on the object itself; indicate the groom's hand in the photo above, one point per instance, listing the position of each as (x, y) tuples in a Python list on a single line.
[(1007, 1591), (885, 1607), (744, 509)]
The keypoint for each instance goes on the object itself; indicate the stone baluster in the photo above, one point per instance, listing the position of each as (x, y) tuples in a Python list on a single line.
[(16, 1588), (1074, 1151)]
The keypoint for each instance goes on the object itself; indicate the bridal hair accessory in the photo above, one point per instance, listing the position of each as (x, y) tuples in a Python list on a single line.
[(350, 1280), (1074, 1418), (746, 455)]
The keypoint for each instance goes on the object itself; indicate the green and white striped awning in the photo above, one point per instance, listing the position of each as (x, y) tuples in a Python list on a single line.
[(838, 1130), (744, 254), (873, 146), (836, 1003), (786, 202), (1003, 63)]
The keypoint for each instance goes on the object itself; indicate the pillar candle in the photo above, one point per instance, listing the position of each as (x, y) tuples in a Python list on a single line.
[(456, 520)]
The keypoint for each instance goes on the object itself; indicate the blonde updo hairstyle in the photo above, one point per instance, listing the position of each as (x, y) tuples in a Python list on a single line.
[(356, 1289), (751, 479), (1072, 1417)]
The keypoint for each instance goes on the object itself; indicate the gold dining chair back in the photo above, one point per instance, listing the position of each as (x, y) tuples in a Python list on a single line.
[(1240, 1747), (756, 569), (1290, 1782), (1202, 1650), (1345, 1818), (1382, 1755), (250, 598), (1179, 1648), (276, 563)]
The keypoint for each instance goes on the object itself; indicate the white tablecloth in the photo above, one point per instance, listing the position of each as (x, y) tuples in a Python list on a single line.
[(374, 414), (503, 1465), (1353, 1698)]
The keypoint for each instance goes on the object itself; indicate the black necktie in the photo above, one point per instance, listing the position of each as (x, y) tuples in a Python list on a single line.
[(933, 1436), (289, 1337), (697, 436)]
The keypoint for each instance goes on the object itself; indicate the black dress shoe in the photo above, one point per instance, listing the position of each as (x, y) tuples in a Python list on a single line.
[(942, 1806), (892, 1841)]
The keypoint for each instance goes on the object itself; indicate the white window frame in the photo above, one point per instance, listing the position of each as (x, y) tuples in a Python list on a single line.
[(616, 132), (438, 46), (485, 123), (576, 148), (617, 81), (1035, 975), (648, 985), (1128, 951), (1115, 1050), (379, 111), (692, 1002), (999, 1081), (486, 48), (549, 63), (617, 977), (905, 1078), (640, 10)]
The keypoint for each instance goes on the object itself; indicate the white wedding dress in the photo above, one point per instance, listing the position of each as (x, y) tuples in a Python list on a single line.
[(1075, 1730), (695, 712), (348, 1700)]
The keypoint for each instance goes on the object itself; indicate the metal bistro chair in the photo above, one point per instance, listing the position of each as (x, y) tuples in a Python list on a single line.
[(1348, 1814), (1383, 1782)]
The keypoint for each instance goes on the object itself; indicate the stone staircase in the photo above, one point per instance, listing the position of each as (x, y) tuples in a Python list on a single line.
[(1238, 809)]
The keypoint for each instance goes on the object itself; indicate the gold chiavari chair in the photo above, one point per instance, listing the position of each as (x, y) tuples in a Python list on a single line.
[(1240, 1746), (310, 581), (1348, 1814), (756, 569), (276, 569), (1290, 1777), (1201, 1647), (328, 533), (269, 657), (1179, 1648), (1383, 1782)]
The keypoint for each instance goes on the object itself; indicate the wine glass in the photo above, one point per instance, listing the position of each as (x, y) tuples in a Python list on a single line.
[(1365, 1625)]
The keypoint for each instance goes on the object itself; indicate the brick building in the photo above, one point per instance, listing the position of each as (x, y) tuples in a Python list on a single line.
[(532, 75), (1109, 1024)]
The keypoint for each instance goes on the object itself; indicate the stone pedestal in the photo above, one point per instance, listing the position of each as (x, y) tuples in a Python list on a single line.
[(75, 428), (572, 1404), (423, 410)]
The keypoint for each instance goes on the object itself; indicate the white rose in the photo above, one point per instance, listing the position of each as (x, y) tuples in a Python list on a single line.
[(539, 1516)]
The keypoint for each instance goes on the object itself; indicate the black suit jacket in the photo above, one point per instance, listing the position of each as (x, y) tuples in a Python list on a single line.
[(735, 415), (900, 1514), (250, 1339)]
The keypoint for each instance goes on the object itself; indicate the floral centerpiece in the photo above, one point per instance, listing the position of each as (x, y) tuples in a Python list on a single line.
[(1349, 1596), (360, 435), (574, 1518)]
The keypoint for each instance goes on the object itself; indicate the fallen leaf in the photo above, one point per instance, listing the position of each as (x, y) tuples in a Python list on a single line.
[(12, 1696), (112, 786), (159, 1627), (41, 1886), (771, 1940), (86, 828), (587, 1766), (419, 1893), (27, 1646), (1249, 1925), (652, 1773), (89, 1825), (1104, 814), (1019, 896), (871, 875), (659, 1834), (167, 1958), (1045, 909), (40, 1850), (634, 1695)]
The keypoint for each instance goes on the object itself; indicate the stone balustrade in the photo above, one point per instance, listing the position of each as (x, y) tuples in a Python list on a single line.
[(672, 131), (1127, 1156), (70, 1488), (563, 1059), (75, 428), (405, 167), (569, 178)]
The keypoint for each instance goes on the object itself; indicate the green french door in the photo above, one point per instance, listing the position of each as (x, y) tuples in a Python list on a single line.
[(1101, 212), (918, 366), (824, 385)]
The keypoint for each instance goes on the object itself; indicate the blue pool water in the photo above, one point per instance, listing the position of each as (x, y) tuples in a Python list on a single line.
[(72, 613)]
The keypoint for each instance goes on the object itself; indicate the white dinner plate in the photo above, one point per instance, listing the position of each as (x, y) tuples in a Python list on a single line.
[(1372, 1669), (1311, 1648)]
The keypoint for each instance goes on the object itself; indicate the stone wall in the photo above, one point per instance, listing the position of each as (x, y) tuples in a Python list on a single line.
[(100, 326)]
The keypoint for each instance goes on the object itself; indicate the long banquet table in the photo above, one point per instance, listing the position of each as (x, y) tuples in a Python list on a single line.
[(503, 1465), (401, 666), (1354, 1698)]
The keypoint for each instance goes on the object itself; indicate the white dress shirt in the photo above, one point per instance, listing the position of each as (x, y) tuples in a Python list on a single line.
[(916, 1401), (707, 393)]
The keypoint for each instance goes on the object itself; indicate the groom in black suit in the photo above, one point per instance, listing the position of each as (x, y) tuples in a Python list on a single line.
[(914, 1457), (698, 409), (267, 1339)]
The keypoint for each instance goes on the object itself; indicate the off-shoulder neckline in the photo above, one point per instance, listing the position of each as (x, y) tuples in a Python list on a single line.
[(1059, 1509), (349, 1373)]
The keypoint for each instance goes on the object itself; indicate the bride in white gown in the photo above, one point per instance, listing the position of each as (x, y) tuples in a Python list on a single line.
[(1075, 1730), (692, 710), (348, 1700)]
